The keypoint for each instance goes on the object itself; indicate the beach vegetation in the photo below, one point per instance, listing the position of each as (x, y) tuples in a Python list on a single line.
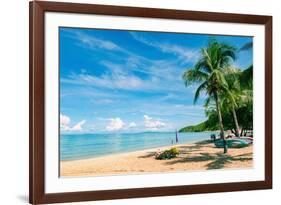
[(168, 154)]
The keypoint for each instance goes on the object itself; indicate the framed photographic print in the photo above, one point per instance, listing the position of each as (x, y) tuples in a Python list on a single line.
[(138, 102)]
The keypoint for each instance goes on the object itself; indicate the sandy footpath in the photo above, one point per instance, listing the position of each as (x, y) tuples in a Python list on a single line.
[(194, 156)]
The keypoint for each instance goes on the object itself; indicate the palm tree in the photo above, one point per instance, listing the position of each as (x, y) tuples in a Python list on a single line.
[(240, 84), (209, 73), (246, 82), (229, 99)]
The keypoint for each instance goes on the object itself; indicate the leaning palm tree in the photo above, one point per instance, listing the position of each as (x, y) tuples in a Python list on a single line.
[(209, 73), (230, 98), (246, 82)]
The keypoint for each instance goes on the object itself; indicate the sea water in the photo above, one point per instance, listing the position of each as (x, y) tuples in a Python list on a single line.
[(82, 146)]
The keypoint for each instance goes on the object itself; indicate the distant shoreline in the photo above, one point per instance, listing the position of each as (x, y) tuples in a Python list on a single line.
[(132, 152), (125, 133), (200, 155)]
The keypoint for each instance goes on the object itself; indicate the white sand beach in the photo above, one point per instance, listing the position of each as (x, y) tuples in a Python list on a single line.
[(193, 156)]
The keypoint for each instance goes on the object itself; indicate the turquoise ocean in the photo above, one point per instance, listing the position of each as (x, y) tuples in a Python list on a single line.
[(83, 146)]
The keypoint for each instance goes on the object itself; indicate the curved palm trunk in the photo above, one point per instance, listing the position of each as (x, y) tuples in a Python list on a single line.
[(220, 122), (235, 122)]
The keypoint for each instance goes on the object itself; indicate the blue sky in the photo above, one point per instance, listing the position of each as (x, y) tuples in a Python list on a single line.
[(130, 81)]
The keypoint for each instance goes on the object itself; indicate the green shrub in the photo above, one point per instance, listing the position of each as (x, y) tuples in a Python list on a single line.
[(168, 154)]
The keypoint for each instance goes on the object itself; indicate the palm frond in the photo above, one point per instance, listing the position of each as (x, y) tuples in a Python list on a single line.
[(200, 89), (193, 76)]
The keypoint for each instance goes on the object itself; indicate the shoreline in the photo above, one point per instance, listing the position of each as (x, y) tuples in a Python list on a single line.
[(136, 151), (198, 155)]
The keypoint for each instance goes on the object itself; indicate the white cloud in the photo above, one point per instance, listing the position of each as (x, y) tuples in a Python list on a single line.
[(185, 54), (127, 82), (78, 126), (132, 125), (117, 78), (122, 75), (91, 41), (103, 101), (65, 121), (152, 124), (147, 118), (115, 124)]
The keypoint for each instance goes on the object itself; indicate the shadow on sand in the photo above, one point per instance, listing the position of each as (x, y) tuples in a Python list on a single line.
[(217, 160), (184, 149), (148, 155), (204, 142)]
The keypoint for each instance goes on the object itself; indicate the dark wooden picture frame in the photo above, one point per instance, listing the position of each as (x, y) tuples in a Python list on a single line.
[(37, 193)]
